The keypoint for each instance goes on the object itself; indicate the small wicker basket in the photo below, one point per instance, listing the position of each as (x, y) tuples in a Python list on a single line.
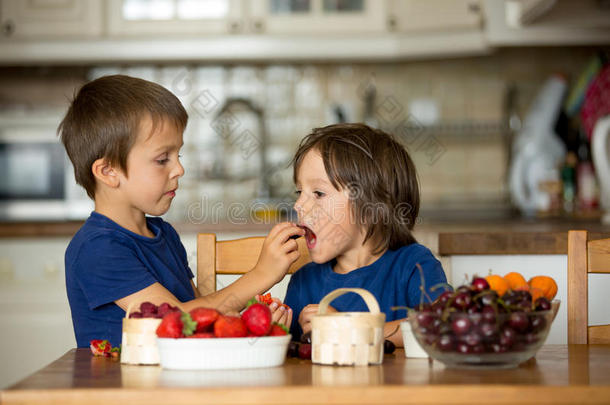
[(348, 338), (139, 339)]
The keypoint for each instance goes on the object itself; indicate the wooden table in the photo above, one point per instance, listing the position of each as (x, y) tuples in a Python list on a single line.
[(559, 374)]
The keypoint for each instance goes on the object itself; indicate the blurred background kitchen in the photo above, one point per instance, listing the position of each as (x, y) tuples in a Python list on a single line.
[(496, 100)]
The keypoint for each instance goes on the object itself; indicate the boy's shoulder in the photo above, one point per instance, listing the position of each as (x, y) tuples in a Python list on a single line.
[(97, 229), (414, 249)]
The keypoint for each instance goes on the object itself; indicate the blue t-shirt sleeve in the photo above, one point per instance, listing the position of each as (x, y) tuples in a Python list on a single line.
[(431, 276), (174, 239), (108, 269), (295, 301)]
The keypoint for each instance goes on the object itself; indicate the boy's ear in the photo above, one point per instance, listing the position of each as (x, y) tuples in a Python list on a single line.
[(105, 173)]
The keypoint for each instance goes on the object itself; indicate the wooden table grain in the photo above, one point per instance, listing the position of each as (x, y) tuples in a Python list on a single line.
[(560, 374)]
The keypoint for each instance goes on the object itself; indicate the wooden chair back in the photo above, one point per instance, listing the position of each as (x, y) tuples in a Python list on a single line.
[(584, 257), (236, 256)]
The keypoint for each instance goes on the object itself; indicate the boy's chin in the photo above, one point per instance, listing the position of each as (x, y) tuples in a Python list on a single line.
[(157, 212)]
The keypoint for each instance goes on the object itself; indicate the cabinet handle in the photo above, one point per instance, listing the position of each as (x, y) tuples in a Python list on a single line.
[(474, 8), (258, 26), (392, 23), (235, 27), (8, 28)]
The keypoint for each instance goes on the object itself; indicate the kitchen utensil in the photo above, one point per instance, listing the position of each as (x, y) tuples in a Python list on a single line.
[(595, 117), (454, 350), (537, 150), (222, 353)]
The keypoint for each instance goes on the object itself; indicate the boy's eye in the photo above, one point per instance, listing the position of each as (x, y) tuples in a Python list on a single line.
[(297, 193), (162, 161), (318, 194)]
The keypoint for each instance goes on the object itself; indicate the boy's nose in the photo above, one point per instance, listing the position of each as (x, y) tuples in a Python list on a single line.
[(178, 170)]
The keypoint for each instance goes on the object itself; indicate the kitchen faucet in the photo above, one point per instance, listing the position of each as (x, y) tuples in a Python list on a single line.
[(264, 189)]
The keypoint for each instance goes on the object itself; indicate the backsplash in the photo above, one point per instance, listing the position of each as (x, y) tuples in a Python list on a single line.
[(449, 114)]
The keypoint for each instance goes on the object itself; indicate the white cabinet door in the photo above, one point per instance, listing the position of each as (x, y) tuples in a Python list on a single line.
[(317, 16), (51, 18), (148, 18), (435, 15), (566, 22)]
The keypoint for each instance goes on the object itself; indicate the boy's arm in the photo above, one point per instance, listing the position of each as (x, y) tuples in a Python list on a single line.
[(278, 253), (195, 290), (391, 330)]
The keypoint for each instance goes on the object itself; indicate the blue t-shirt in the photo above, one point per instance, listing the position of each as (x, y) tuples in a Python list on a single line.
[(393, 279), (106, 262)]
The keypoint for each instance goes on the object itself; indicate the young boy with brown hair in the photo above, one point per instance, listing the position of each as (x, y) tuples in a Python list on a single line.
[(358, 200), (123, 136)]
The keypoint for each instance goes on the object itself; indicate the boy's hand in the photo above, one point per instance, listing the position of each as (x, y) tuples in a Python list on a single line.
[(308, 313), (279, 251), (280, 312)]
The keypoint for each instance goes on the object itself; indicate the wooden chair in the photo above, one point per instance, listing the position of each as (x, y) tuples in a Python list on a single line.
[(585, 256), (236, 256)]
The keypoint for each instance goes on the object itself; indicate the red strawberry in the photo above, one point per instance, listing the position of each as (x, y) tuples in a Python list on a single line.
[(202, 335), (257, 319), (100, 347), (204, 317), (230, 326), (266, 299), (175, 325), (277, 329)]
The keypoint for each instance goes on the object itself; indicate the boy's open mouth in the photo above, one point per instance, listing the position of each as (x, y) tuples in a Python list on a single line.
[(310, 237)]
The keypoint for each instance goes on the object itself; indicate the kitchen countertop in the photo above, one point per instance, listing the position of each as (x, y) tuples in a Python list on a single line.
[(559, 374), (450, 237)]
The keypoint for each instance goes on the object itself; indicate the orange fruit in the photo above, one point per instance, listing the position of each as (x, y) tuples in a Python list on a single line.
[(497, 283), (536, 293), (516, 281), (546, 284)]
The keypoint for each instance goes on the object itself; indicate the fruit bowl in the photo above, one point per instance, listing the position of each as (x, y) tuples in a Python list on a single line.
[(224, 353), (491, 338)]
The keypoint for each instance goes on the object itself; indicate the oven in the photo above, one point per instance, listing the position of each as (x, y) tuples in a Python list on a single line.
[(36, 177)]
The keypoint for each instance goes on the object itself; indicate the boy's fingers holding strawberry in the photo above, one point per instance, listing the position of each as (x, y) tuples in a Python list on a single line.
[(278, 228), (286, 233), (290, 246)]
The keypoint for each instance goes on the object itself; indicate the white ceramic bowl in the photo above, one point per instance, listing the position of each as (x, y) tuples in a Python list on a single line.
[(222, 353)]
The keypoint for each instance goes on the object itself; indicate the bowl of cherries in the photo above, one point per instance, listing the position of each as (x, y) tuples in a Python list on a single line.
[(473, 327)]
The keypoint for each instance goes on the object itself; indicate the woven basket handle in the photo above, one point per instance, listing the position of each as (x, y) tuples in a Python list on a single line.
[(368, 298), (169, 301)]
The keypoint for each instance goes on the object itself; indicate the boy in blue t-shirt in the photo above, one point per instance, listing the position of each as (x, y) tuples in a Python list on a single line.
[(358, 199), (123, 136)]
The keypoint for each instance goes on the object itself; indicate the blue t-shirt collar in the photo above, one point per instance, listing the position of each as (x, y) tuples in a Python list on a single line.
[(103, 219)]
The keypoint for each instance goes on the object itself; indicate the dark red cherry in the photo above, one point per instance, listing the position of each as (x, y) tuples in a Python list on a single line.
[(461, 325), (446, 343), (518, 321), (462, 300), (480, 284), (543, 304)]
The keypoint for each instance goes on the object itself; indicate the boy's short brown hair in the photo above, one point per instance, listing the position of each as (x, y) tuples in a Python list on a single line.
[(103, 121), (379, 174)]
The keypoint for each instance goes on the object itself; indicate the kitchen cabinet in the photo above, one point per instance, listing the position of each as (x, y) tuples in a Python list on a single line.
[(318, 16), (45, 19), (34, 310), (174, 17), (565, 22), (435, 15)]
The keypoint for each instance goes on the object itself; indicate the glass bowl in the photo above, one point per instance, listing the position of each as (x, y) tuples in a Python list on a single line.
[(497, 340)]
